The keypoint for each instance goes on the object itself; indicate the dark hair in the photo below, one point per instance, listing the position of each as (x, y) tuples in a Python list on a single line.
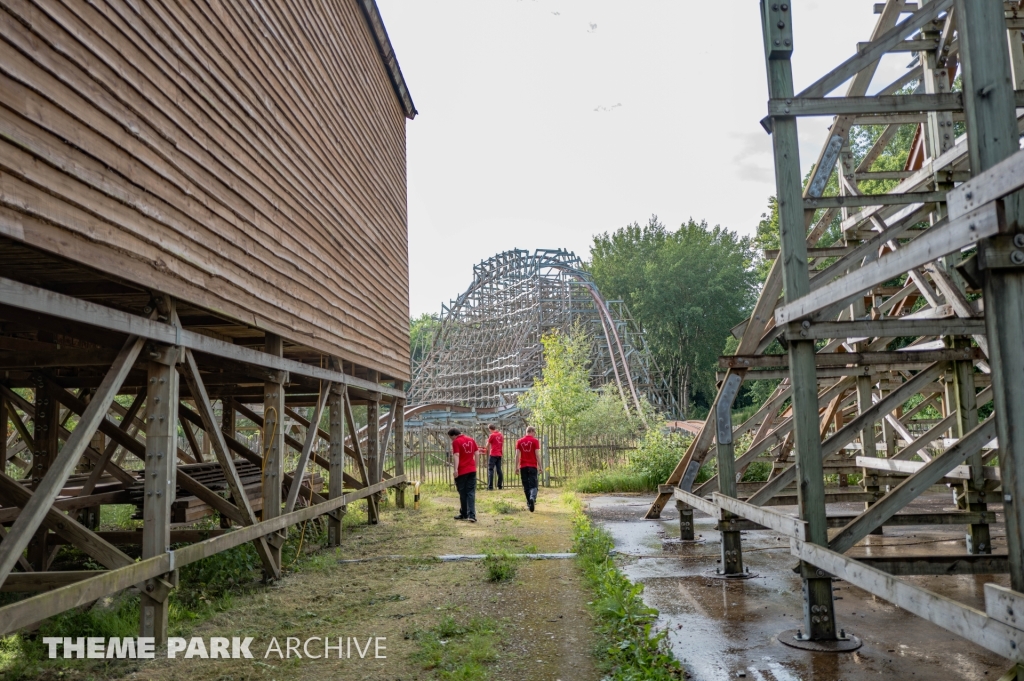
[(492, 426), (453, 432)]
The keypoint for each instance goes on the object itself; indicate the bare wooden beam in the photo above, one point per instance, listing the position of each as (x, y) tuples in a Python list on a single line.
[(912, 487), (48, 489), (38, 300), (307, 448)]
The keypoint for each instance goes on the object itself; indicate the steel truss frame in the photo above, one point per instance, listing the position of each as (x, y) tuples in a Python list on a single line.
[(487, 349), (846, 382), (173, 376)]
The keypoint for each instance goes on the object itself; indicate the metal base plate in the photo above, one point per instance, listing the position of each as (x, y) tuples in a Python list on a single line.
[(711, 574), (843, 645)]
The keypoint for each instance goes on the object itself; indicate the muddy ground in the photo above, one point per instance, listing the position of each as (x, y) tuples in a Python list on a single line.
[(721, 629), (544, 632)]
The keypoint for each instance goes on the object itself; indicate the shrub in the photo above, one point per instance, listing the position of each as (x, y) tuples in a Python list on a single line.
[(658, 455)]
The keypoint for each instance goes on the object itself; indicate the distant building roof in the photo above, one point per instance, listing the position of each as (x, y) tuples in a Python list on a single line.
[(387, 55)]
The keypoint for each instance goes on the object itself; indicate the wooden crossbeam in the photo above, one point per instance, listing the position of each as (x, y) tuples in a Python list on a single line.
[(852, 429), (103, 464), (307, 448), (962, 620), (49, 487), (931, 473), (937, 241), (42, 301), (244, 513), (85, 539), (31, 610)]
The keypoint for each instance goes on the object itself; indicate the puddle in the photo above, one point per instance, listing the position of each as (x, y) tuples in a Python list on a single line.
[(719, 628)]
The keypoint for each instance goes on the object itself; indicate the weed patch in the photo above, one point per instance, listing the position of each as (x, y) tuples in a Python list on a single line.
[(458, 652), (501, 566), (506, 507), (632, 650)]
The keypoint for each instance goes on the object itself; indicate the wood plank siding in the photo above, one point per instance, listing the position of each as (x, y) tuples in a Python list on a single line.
[(246, 157)]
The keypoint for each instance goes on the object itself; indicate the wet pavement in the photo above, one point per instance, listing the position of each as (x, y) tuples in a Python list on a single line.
[(728, 629)]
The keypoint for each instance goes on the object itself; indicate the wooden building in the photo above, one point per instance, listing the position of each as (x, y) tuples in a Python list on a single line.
[(213, 189)]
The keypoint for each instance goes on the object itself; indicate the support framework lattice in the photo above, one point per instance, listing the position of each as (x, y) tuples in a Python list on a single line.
[(487, 349), (921, 303)]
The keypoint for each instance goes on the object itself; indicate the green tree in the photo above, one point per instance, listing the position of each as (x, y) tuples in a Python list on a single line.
[(422, 331), (687, 288), (562, 394)]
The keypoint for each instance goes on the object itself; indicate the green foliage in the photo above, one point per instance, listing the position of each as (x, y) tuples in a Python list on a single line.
[(658, 455), (504, 507), (501, 566), (562, 394), (610, 480), (632, 650), (686, 287), (458, 652), (608, 416), (422, 334), (649, 466)]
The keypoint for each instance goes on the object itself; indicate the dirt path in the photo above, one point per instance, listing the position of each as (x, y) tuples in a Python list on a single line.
[(544, 631)]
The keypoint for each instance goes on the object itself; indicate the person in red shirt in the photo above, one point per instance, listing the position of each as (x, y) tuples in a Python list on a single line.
[(527, 449), (464, 450), (495, 445)]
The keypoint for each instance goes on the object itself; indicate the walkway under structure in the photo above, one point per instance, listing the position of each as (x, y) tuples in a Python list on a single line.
[(920, 304), (487, 349)]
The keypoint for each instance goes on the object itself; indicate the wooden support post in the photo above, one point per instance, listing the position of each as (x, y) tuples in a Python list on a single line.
[(399, 437), (45, 425), (423, 460), (159, 485), (336, 456), (373, 456), (732, 550), (989, 104), (867, 433), (273, 447), (3, 433), (966, 412), (227, 417), (819, 615)]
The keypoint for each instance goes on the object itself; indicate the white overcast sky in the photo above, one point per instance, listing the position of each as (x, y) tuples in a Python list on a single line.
[(544, 122)]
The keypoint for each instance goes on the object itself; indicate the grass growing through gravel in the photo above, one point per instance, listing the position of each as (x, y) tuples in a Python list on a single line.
[(632, 650), (458, 652), (501, 566)]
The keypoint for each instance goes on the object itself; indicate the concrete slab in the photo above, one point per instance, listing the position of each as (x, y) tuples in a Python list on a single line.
[(721, 629)]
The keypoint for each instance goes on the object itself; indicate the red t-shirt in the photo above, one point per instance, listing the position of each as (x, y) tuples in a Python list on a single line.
[(464, 447), (495, 442), (528, 448)]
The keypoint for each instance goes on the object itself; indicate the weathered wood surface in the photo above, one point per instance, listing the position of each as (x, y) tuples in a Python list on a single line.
[(250, 162)]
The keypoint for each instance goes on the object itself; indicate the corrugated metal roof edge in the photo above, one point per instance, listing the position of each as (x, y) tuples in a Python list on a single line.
[(387, 54)]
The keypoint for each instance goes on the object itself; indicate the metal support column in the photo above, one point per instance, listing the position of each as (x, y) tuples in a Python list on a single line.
[(819, 616), (990, 109), (732, 550)]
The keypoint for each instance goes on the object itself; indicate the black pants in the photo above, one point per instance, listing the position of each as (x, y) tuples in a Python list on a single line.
[(494, 464), (466, 484), (529, 478)]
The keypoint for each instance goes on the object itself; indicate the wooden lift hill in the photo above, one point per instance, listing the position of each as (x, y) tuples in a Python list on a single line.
[(202, 232), (919, 304)]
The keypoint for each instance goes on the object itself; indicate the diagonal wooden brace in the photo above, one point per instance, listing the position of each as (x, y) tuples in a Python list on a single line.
[(49, 488)]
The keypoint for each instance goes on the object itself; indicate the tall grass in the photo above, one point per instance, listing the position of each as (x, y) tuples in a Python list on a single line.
[(632, 650), (649, 466)]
